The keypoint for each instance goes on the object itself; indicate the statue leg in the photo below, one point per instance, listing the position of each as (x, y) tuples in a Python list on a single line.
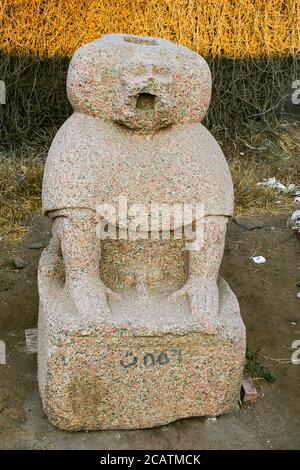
[(81, 252), (51, 263), (203, 267)]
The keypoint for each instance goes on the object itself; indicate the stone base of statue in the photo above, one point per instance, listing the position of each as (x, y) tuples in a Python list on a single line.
[(147, 365)]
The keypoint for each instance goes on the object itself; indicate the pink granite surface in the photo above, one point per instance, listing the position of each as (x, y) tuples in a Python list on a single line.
[(136, 333)]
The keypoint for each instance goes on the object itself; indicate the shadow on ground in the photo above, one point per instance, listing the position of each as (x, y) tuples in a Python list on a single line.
[(269, 309)]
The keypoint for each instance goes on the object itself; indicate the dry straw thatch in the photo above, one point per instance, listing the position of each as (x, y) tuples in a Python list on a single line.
[(232, 28)]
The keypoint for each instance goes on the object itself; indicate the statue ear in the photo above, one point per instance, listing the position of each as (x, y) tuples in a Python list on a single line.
[(91, 81), (192, 90)]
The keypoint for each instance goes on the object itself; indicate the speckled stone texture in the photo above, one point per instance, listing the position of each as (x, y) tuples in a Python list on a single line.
[(149, 365), (136, 333)]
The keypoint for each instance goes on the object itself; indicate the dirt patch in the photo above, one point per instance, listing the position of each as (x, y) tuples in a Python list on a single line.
[(269, 309)]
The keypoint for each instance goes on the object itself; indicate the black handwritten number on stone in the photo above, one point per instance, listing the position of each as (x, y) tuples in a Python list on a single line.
[(178, 353), (149, 359), (133, 363), (163, 359)]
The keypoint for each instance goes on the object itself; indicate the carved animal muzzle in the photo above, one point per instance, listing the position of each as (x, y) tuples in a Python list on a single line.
[(144, 97)]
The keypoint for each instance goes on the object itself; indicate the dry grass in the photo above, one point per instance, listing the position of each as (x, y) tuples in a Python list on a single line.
[(233, 28), (251, 199), (266, 155), (20, 193), (263, 154)]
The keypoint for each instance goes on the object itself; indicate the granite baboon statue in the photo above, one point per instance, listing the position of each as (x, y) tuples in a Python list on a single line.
[(136, 130), (142, 331)]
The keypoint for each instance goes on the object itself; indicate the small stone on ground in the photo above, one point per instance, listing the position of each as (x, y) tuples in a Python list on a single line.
[(36, 246), (19, 262), (249, 392), (248, 223)]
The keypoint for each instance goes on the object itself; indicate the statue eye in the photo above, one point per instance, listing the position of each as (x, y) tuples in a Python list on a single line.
[(139, 70), (160, 70)]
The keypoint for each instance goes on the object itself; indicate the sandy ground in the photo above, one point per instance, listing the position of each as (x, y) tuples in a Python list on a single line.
[(270, 311)]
